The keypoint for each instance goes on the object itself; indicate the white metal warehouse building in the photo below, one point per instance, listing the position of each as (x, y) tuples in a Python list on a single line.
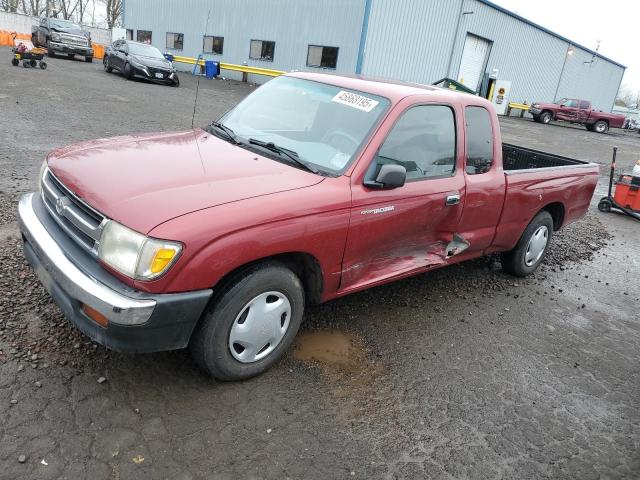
[(414, 40)]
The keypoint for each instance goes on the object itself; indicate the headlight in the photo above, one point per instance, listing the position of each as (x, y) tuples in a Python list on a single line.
[(136, 255), (535, 105), (55, 36)]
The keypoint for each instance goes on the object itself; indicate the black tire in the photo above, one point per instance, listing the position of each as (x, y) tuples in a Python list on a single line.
[(26, 63), (15, 62), (210, 343), (515, 262), (605, 204), (33, 63), (50, 52), (107, 64), (546, 117), (176, 81), (43, 65), (589, 127), (88, 59), (600, 126), (127, 71)]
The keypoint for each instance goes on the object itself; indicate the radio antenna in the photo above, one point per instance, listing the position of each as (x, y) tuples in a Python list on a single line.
[(195, 101)]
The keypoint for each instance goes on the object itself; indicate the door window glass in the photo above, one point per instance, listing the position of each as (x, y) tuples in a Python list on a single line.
[(423, 141), (571, 103), (479, 140)]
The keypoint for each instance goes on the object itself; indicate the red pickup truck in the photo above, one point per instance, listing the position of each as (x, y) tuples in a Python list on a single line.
[(313, 187), (574, 110)]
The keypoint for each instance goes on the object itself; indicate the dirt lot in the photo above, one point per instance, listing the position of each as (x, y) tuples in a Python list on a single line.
[(461, 373)]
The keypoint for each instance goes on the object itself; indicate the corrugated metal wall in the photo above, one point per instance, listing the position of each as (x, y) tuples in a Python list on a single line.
[(410, 40), (414, 40), (593, 78), (293, 25)]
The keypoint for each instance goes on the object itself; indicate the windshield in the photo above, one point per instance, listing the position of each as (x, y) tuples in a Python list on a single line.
[(64, 24), (144, 50), (324, 124), (561, 101)]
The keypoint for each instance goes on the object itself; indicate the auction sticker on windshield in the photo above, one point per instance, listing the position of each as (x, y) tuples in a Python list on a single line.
[(354, 100)]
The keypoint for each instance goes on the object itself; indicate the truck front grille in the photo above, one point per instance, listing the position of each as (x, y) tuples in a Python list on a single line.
[(74, 39), (81, 222)]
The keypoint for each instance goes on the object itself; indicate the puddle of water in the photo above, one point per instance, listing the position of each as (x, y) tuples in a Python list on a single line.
[(333, 349)]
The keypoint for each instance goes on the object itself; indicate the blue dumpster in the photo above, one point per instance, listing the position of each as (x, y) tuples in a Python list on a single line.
[(211, 69)]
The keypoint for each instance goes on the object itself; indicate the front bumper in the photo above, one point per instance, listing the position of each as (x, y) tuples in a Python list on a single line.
[(167, 77), (71, 49), (138, 322), (534, 111)]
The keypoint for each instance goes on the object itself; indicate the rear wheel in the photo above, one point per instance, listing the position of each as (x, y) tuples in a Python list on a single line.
[(249, 326), (531, 248), (43, 65), (545, 117), (601, 126), (15, 62), (33, 63)]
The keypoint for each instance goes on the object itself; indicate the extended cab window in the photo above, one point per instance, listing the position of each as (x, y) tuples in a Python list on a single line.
[(479, 140), (570, 104), (423, 141)]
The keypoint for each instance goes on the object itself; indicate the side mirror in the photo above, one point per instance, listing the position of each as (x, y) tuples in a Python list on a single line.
[(390, 176)]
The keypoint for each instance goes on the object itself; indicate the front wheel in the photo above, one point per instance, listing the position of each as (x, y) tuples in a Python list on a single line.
[(251, 324), (88, 59), (545, 117), (176, 81), (15, 62), (128, 71), (107, 64), (531, 248), (605, 205)]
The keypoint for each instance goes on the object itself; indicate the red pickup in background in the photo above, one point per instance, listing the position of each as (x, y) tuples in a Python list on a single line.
[(313, 187), (575, 110)]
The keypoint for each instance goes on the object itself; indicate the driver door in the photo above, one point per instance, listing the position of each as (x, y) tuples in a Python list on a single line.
[(396, 232), (568, 111)]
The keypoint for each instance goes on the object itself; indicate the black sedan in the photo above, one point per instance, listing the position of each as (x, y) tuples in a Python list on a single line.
[(139, 60)]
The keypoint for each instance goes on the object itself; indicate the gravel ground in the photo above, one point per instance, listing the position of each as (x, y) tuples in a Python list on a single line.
[(461, 373)]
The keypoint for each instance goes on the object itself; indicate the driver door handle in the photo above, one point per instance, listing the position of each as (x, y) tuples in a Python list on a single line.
[(453, 199)]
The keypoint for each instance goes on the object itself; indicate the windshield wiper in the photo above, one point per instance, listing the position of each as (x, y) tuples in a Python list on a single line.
[(290, 154), (220, 127)]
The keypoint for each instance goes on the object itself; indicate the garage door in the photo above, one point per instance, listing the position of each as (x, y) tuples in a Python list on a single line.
[(474, 59)]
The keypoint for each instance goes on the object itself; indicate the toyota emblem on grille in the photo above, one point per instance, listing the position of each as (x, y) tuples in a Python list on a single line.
[(61, 204)]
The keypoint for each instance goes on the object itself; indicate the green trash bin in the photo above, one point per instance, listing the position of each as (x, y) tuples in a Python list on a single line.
[(453, 85)]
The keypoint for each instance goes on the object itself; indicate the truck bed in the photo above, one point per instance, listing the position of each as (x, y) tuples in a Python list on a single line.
[(521, 158)]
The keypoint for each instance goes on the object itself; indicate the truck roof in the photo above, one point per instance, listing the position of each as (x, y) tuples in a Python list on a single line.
[(394, 90)]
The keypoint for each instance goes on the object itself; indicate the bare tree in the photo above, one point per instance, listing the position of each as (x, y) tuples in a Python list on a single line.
[(114, 10), (9, 5)]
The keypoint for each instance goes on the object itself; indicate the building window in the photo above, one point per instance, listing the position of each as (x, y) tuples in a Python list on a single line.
[(144, 36), (322, 57), (129, 34), (423, 141), (479, 140), (213, 45), (262, 50), (175, 41)]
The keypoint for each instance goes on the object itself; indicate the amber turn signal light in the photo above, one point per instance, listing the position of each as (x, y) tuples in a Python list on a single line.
[(95, 315)]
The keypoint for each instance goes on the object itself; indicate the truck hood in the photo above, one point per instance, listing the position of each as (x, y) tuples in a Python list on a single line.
[(142, 181), (71, 31)]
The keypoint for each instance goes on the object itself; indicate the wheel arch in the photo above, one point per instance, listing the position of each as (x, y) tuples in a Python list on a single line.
[(304, 265), (557, 212)]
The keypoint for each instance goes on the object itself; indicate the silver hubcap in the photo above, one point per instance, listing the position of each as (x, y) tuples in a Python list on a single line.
[(537, 245), (600, 128), (260, 327)]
